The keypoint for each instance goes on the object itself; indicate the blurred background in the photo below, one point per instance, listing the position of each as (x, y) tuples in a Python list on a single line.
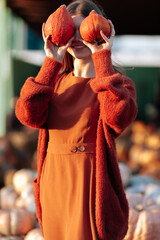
[(136, 47)]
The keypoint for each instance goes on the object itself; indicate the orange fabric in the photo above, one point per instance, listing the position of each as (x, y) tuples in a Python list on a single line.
[(67, 186), (118, 108)]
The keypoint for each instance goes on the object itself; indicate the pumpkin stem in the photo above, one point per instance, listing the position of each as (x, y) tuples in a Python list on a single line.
[(63, 5)]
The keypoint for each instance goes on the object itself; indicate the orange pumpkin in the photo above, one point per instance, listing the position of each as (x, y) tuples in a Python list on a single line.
[(143, 157), (59, 26), (92, 25)]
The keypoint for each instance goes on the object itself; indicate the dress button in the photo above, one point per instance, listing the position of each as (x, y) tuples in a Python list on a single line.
[(81, 148), (74, 149)]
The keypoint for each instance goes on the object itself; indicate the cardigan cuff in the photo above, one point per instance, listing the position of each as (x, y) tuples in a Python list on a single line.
[(102, 63), (48, 71)]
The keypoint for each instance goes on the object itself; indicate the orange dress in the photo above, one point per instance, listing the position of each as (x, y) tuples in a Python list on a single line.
[(67, 185)]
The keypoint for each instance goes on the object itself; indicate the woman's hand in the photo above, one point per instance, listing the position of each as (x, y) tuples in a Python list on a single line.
[(52, 50), (106, 45)]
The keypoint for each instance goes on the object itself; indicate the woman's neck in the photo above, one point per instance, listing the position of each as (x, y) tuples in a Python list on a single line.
[(83, 68)]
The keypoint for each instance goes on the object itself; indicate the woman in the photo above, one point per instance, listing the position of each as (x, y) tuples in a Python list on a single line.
[(80, 104)]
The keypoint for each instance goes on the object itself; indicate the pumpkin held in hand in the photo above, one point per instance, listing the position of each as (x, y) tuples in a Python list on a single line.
[(59, 26), (92, 25)]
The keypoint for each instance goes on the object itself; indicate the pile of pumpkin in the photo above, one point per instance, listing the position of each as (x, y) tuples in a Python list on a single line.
[(143, 194), (139, 148), (17, 151), (17, 208), (138, 152)]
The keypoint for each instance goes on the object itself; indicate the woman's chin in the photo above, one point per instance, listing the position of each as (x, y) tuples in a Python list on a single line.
[(80, 52)]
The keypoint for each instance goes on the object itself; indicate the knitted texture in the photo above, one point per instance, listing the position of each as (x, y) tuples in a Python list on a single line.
[(32, 106), (48, 71), (116, 94), (103, 67)]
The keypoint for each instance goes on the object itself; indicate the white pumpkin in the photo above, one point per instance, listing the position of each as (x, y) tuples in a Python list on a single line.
[(144, 218), (28, 197), (30, 204), (27, 191), (125, 173), (8, 197), (142, 179), (16, 222), (153, 191), (22, 177), (20, 203), (144, 189), (34, 234)]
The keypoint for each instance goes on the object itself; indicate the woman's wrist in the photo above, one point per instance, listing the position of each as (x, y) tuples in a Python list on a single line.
[(49, 69), (103, 63)]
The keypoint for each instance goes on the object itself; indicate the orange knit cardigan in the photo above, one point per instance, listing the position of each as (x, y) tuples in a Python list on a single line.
[(118, 108)]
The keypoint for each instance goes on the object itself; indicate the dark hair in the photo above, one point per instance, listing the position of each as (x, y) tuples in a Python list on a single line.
[(84, 7)]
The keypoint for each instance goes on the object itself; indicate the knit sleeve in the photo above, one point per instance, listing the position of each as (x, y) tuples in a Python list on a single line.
[(116, 93), (32, 105)]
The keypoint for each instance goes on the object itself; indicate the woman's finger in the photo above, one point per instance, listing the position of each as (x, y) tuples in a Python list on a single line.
[(69, 42), (63, 5), (112, 34), (43, 27), (104, 36), (88, 44), (47, 42), (108, 41)]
